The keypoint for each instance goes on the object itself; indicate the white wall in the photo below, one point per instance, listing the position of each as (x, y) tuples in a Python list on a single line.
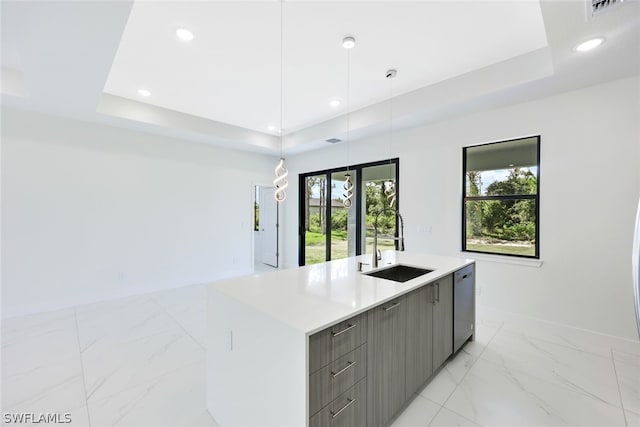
[(91, 212), (590, 182)]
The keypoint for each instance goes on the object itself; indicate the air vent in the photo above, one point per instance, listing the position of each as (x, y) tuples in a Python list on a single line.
[(333, 140), (597, 7)]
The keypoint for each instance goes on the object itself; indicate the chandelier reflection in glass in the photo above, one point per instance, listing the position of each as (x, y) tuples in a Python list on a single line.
[(348, 191), (390, 191)]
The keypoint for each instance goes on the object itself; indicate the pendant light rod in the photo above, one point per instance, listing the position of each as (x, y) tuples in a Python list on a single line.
[(280, 181), (348, 43), (281, 69), (391, 74), (390, 189), (351, 42)]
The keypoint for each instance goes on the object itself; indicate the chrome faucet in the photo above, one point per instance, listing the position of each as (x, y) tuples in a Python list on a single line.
[(374, 256)]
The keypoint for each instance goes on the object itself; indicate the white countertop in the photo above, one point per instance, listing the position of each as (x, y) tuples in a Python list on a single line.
[(314, 297)]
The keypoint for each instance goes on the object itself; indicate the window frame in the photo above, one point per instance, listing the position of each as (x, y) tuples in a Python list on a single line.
[(535, 197), (357, 205)]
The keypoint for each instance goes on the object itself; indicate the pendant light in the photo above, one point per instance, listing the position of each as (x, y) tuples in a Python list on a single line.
[(348, 43), (390, 186), (280, 181)]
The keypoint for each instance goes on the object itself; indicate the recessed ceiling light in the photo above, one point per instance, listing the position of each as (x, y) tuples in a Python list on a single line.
[(589, 44), (144, 92), (335, 103), (348, 42), (271, 128), (184, 34)]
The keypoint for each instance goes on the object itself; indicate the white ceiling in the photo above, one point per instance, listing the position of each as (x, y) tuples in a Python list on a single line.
[(222, 85), (230, 72)]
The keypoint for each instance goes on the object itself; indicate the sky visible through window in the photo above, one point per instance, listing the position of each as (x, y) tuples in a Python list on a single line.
[(489, 177), (315, 190), (335, 183)]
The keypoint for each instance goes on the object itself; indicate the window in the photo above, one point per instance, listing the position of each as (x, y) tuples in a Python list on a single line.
[(501, 202), (328, 230)]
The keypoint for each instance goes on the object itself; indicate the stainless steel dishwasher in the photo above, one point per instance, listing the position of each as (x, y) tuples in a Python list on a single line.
[(464, 305)]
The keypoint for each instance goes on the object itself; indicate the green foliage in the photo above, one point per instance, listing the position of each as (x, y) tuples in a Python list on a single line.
[(510, 220), (313, 182), (314, 238), (317, 238), (377, 201), (314, 223), (519, 231), (520, 181), (474, 217), (339, 219), (474, 183), (502, 249)]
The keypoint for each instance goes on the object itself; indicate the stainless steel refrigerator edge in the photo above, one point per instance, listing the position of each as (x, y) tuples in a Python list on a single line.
[(635, 265)]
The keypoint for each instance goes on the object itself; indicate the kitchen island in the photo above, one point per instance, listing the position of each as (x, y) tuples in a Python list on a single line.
[(328, 344)]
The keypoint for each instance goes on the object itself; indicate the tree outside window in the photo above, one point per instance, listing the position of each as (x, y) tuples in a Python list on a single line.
[(501, 200)]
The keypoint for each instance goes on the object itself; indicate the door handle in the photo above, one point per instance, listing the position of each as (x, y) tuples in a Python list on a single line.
[(349, 364), (392, 306), (349, 403), (437, 292), (349, 327)]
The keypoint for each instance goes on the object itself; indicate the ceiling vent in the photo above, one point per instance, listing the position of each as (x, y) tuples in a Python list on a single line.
[(333, 140), (597, 7)]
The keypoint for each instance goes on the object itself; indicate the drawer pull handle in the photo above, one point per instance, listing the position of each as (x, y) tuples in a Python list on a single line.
[(466, 275), (349, 403), (335, 334), (349, 364), (438, 292), (392, 306)]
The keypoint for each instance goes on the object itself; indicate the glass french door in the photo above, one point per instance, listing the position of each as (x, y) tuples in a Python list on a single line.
[(315, 219), (379, 194), (329, 230)]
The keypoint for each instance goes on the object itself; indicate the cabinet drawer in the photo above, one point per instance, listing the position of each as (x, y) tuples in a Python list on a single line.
[(347, 410), (336, 378), (336, 341)]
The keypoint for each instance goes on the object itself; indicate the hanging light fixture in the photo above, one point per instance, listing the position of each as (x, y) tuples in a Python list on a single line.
[(280, 181), (390, 186), (348, 43)]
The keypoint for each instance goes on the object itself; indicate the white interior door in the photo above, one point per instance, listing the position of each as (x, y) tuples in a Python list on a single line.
[(268, 227)]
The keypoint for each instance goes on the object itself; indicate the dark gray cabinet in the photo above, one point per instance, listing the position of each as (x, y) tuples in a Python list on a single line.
[(429, 331), (386, 361), (364, 370), (347, 410), (337, 374), (419, 334), (442, 320), (336, 378), (338, 340)]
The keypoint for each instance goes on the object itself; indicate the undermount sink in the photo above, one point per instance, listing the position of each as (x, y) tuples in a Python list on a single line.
[(399, 273)]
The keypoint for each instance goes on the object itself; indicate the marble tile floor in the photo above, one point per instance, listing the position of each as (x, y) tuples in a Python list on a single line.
[(139, 361)]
